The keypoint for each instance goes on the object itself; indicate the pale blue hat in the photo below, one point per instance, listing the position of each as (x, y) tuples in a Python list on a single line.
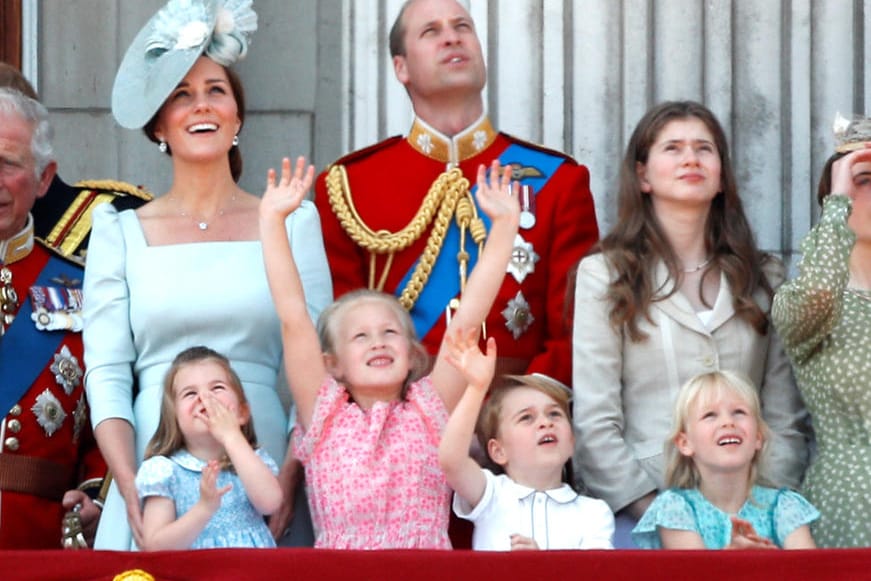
[(168, 46)]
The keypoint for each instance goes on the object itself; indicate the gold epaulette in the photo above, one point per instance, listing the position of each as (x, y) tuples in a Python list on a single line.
[(68, 234)]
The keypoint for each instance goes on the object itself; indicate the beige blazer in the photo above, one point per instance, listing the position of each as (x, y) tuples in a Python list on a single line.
[(624, 392)]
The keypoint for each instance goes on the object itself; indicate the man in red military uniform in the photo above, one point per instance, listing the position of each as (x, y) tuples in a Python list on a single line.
[(48, 457), (389, 212)]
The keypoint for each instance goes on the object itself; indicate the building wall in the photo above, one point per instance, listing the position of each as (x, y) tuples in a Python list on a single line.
[(575, 75)]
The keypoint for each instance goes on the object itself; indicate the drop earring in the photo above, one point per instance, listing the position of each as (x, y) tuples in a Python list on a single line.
[(162, 146), (236, 140)]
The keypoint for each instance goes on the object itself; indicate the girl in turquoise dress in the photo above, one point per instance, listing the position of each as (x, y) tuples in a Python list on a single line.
[(204, 483), (713, 453), (824, 316)]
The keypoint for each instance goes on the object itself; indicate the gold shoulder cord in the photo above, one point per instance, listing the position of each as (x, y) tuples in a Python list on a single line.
[(447, 196)]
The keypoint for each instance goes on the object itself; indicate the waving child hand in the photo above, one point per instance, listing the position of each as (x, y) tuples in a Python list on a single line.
[(465, 355), (210, 494), (497, 194), (283, 197)]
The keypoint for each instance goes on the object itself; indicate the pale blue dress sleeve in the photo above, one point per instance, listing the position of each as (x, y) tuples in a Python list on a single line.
[(108, 338), (155, 478), (668, 510), (791, 512)]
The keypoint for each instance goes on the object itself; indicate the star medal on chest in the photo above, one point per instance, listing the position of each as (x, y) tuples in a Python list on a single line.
[(67, 371), (518, 316), (57, 308), (8, 299), (523, 259)]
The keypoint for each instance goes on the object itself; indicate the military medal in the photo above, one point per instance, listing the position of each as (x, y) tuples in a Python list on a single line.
[(66, 369), (527, 207), (49, 412), (517, 315), (8, 299), (523, 259), (57, 308)]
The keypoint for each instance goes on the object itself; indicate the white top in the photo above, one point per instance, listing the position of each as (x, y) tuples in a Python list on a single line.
[(556, 519)]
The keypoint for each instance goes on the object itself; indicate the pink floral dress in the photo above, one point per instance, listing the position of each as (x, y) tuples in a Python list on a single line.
[(373, 476)]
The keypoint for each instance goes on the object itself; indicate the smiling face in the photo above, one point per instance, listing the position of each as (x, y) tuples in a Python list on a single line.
[(200, 118), (683, 165), (20, 184), (192, 383), (721, 433), (534, 436), (442, 53), (371, 350)]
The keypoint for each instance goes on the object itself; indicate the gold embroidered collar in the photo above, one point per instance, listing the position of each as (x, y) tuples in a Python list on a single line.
[(452, 150), (18, 246)]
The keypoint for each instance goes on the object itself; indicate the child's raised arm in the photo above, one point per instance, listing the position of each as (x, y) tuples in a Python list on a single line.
[(302, 352), (497, 196), (463, 474)]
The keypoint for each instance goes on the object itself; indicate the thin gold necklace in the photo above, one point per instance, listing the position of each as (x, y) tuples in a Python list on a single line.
[(203, 225), (699, 266)]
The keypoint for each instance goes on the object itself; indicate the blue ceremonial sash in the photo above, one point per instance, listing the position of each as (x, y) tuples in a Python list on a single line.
[(444, 280), (25, 351)]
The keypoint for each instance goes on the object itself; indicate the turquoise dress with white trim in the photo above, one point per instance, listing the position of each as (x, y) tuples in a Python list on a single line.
[(774, 514)]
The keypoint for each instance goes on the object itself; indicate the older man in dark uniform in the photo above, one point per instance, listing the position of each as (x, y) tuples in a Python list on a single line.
[(48, 457), (398, 216)]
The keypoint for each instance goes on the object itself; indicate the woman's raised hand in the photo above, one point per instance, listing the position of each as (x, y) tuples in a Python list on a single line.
[(286, 194), (843, 172)]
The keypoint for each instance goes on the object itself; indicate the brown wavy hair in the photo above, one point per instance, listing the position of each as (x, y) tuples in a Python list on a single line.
[(168, 438), (637, 242), (234, 155)]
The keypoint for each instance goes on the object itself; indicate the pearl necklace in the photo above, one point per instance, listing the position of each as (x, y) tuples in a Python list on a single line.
[(699, 266), (203, 225)]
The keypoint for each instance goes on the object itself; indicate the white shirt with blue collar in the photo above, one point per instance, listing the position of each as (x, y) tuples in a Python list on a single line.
[(555, 519)]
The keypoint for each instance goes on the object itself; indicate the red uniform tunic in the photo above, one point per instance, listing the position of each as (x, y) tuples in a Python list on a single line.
[(31, 458), (388, 182)]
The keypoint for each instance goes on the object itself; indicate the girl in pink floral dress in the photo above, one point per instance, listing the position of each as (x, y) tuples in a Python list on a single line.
[(369, 423)]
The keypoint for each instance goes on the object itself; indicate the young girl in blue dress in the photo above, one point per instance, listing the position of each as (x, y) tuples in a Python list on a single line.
[(204, 482), (714, 502)]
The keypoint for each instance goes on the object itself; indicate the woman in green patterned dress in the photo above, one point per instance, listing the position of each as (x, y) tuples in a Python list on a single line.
[(824, 318)]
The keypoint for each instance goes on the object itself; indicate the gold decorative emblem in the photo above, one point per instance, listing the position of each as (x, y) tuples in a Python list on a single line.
[(66, 369), (133, 575), (523, 259), (517, 315), (49, 412), (518, 172)]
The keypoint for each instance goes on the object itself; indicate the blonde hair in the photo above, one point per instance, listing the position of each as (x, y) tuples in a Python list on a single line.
[(681, 471), (489, 419), (331, 317), (168, 438)]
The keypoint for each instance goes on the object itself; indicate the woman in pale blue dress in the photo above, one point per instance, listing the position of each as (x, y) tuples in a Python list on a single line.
[(185, 269)]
